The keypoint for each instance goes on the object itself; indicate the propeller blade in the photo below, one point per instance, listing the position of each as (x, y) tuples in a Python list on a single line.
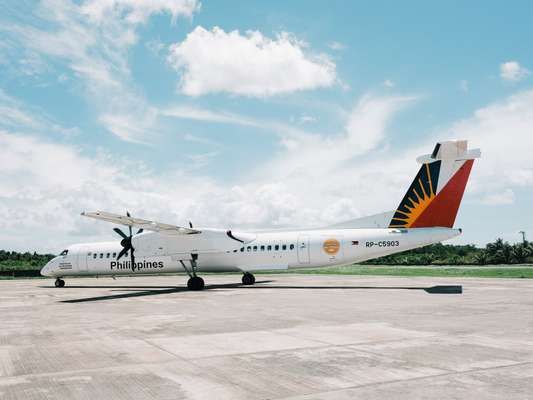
[(117, 230), (140, 231), (122, 252), (190, 224), (132, 259), (126, 242), (129, 227)]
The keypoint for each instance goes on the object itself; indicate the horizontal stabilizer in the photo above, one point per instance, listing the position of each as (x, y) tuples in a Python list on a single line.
[(452, 150)]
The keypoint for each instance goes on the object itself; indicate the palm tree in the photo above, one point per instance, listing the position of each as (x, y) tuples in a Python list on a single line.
[(520, 253), (481, 258)]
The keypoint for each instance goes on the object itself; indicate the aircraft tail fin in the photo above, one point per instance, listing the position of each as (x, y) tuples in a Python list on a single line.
[(434, 197)]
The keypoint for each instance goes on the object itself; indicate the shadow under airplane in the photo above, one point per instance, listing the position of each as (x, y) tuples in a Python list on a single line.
[(158, 290)]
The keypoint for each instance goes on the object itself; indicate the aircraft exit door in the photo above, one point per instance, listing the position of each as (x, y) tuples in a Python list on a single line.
[(303, 249), (82, 259)]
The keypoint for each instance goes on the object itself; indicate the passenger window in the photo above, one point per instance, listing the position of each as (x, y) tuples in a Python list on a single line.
[(114, 255), (125, 254), (284, 247), (292, 247), (234, 251), (101, 255), (248, 248), (255, 248), (276, 247), (95, 255), (269, 247), (108, 255), (242, 249), (262, 248)]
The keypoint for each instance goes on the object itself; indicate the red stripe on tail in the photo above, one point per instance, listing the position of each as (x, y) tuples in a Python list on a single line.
[(443, 209)]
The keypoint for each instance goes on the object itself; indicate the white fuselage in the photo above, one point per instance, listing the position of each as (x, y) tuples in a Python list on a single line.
[(263, 251)]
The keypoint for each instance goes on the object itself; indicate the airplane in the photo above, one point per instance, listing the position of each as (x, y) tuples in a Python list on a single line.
[(425, 215)]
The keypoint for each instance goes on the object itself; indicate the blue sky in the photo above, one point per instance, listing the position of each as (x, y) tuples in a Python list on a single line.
[(256, 114)]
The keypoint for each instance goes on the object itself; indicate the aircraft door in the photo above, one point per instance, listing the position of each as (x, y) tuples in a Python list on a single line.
[(303, 249), (82, 259)]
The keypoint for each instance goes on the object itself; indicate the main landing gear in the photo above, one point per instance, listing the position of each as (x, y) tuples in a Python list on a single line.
[(248, 279), (194, 282), (59, 282)]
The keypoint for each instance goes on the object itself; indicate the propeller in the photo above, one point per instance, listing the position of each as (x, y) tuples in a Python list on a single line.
[(126, 243)]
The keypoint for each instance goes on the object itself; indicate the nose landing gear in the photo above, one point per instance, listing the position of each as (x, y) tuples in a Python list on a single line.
[(59, 282), (248, 279)]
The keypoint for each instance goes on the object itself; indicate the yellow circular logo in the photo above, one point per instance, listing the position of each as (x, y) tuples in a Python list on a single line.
[(331, 246)]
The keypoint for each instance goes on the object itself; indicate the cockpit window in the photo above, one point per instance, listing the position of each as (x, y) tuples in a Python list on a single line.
[(64, 253)]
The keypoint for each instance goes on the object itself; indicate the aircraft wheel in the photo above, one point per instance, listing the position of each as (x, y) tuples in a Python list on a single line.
[(59, 282), (248, 279), (195, 283)]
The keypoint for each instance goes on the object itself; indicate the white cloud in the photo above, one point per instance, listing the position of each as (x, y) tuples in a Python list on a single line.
[(357, 167), (346, 168), (367, 122), (201, 114), (503, 131), (304, 118), (314, 180), (197, 161), (42, 206), (138, 11), (250, 65), (465, 87), (200, 140), (155, 46), (128, 128), (512, 71), (388, 83), (334, 45), (92, 39), (224, 117), (499, 198), (13, 114)]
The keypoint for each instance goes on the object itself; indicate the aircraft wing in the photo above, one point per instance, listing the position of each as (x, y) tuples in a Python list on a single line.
[(141, 223)]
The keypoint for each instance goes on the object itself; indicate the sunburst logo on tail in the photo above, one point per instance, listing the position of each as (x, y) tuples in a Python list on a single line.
[(419, 196)]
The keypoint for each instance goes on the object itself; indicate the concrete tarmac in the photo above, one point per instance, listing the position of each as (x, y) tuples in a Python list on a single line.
[(287, 337)]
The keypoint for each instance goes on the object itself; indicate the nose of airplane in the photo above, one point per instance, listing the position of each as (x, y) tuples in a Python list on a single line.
[(47, 269)]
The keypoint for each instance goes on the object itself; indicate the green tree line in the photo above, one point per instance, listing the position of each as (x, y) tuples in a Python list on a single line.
[(10, 260), (497, 252)]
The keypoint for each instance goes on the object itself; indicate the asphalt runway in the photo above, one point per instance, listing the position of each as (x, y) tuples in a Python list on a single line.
[(289, 336)]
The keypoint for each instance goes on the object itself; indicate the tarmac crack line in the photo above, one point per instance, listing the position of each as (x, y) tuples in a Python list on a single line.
[(411, 379), (191, 361)]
